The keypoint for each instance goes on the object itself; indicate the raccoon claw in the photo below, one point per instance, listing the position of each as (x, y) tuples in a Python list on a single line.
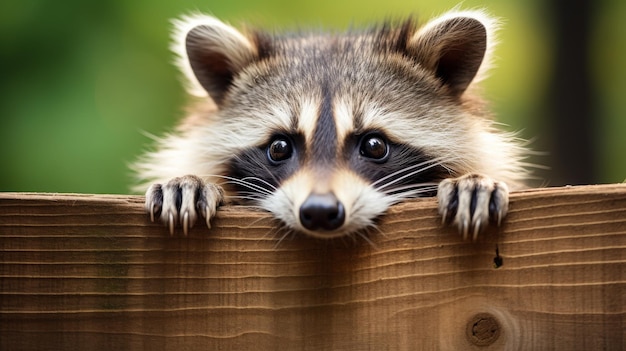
[(182, 200), (151, 210), (170, 221), (471, 202), (185, 223), (154, 201), (208, 209)]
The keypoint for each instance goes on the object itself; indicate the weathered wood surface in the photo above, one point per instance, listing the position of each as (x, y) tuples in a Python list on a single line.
[(90, 272)]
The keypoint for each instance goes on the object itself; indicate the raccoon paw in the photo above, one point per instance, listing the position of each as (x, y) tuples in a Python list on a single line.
[(182, 200), (472, 201)]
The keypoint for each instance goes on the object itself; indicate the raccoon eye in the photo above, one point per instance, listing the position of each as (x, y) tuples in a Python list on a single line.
[(279, 150), (374, 147)]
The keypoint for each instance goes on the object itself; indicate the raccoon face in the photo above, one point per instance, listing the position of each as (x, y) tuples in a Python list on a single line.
[(332, 197), (327, 131)]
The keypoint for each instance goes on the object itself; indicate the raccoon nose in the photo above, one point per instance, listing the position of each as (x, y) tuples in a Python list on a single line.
[(322, 212)]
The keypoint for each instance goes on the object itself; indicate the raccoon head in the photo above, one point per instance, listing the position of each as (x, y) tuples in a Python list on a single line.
[(326, 131)]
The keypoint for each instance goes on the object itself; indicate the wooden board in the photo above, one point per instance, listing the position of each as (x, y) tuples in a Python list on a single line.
[(90, 272)]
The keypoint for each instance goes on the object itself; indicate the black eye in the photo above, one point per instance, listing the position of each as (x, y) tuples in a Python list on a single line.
[(375, 147), (279, 150)]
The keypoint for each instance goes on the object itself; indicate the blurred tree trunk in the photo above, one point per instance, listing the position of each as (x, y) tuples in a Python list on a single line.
[(570, 106)]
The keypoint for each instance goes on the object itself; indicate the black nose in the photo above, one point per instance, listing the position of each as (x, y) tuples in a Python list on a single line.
[(322, 212)]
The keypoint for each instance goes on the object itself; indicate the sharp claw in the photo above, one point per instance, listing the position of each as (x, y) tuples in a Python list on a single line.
[(444, 217), (171, 223), (186, 223), (152, 211), (476, 230), (205, 213), (207, 217), (465, 229)]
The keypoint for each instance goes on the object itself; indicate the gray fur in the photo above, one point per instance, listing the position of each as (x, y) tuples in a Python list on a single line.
[(411, 87)]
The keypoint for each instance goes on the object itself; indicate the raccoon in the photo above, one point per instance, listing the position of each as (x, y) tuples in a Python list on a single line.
[(326, 131)]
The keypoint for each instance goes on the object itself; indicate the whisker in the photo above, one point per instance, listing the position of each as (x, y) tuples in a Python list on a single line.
[(258, 192), (255, 222), (267, 171), (248, 184), (410, 194), (406, 169), (271, 230), (288, 231), (365, 237), (268, 184), (410, 174), (411, 186), (249, 198), (251, 194), (377, 229)]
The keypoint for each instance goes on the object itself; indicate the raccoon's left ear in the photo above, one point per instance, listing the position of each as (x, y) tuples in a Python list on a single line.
[(454, 46), (212, 52)]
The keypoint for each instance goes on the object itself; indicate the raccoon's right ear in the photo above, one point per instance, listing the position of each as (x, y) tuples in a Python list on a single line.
[(213, 53)]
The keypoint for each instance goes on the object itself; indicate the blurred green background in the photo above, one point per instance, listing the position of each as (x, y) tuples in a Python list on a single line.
[(82, 80)]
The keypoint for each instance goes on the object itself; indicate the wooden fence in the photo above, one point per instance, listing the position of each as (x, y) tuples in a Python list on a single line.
[(90, 272)]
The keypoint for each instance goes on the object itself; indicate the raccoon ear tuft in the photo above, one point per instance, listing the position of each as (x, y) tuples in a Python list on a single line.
[(454, 46), (212, 53)]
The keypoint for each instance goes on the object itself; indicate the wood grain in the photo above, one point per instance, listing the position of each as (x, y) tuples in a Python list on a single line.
[(90, 272)]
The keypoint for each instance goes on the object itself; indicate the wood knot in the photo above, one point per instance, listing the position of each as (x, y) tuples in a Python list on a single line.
[(483, 329)]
